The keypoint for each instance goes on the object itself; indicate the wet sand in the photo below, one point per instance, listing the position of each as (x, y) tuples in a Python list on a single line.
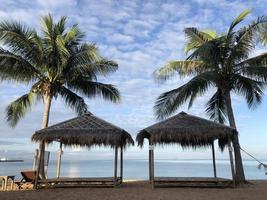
[(140, 190)]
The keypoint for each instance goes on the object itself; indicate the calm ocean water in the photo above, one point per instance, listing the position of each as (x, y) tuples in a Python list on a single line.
[(137, 169)]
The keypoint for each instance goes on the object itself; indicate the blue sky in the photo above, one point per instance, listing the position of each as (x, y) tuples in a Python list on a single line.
[(140, 36)]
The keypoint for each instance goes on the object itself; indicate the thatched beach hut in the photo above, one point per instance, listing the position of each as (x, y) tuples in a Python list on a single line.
[(188, 131), (85, 131)]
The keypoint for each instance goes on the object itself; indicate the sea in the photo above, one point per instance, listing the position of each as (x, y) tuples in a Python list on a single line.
[(136, 169)]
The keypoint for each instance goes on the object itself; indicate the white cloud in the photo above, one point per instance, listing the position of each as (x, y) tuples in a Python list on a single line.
[(52, 4), (119, 38), (140, 36)]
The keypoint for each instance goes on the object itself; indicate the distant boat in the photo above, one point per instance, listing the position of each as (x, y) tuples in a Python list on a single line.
[(10, 160)]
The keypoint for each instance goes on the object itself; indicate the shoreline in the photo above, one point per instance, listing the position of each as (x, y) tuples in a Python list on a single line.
[(139, 190)]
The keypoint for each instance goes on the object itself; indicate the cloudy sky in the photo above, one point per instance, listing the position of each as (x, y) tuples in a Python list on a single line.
[(141, 36)]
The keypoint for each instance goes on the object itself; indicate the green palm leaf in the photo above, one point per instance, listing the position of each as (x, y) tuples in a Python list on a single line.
[(15, 67), (183, 68), (18, 108), (73, 100), (20, 39), (197, 38), (251, 89), (93, 89), (169, 101), (245, 39), (239, 19), (216, 107), (74, 36), (257, 61)]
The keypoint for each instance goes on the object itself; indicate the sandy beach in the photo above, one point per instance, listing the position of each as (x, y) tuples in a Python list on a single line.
[(140, 190)]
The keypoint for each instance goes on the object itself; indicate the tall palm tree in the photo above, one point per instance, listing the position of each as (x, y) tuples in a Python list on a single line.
[(222, 62), (55, 62)]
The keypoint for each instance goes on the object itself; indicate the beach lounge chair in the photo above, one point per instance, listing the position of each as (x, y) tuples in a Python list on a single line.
[(28, 179)]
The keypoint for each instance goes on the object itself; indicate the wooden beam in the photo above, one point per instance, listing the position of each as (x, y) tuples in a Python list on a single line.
[(214, 161), (231, 160), (152, 165), (115, 166), (39, 166), (121, 169), (35, 160), (59, 160), (149, 162)]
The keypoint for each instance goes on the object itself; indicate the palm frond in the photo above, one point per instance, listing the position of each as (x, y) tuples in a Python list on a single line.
[(20, 40), (92, 70), (73, 100), (88, 52), (263, 34), (210, 34), (255, 73), (47, 26), (252, 28), (257, 61), (168, 102), (62, 53), (245, 39), (73, 37), (239, 19), (197, 38), (60, 25), (209, 52), (87, 61), (182, 68), (18, 108), (251, 89), (92, 89), (15, 67), (216, 107), (255, 68)]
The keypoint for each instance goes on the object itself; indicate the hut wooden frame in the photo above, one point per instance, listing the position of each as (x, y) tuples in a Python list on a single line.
[(85, 131), (188, 131)]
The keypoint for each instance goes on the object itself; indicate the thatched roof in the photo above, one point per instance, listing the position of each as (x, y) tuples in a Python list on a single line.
[(187, 131), (86, 130)]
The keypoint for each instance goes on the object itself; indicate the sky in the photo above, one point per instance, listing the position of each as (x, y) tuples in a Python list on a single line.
[(140, 36)]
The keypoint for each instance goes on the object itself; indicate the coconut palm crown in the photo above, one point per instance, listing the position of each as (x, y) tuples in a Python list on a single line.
[(55, 62), (222, 62)]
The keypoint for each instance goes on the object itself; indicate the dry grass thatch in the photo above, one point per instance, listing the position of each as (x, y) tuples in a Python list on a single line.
[(86, 130), (187, 131)]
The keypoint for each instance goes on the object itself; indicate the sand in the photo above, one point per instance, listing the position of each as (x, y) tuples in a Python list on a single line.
[(140, 190)]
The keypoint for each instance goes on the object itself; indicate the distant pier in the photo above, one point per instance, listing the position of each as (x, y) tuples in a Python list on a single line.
[(13, 160)]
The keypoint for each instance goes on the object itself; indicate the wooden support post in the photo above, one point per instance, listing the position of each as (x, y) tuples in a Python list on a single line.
[(115, 166), (152, 165), (214, 161), (149, 162), (35, 160), (121, 169), (231, 160), (40, 156), (59, 160)]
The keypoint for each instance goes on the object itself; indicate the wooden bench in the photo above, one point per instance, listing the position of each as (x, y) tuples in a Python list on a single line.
[(79, 182), (5, 181), (192, 182)]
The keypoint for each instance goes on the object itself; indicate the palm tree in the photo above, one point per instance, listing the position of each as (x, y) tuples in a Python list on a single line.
[(222, 62), (55, 62)]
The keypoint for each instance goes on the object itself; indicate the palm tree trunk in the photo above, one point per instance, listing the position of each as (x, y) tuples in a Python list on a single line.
[(239, 170), (45, 120)]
